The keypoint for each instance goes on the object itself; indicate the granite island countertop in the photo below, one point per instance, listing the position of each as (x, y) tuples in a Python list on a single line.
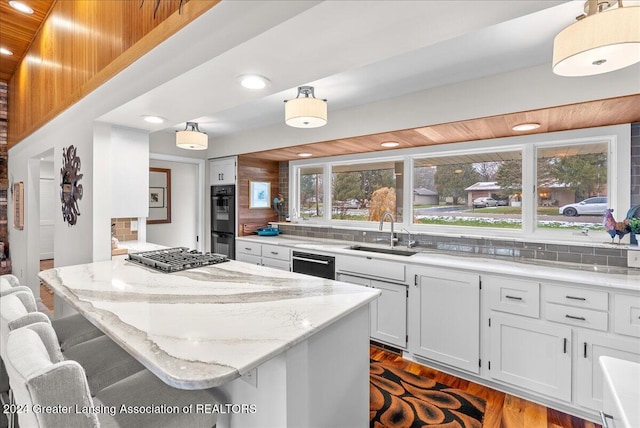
[(204, 327), (579, 274)]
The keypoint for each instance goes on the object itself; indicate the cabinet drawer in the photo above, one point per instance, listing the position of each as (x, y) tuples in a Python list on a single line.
[(514, 296), (248, 258), (276, 264), (371, 267), (353, 279), (580, 297), (275, 252), (577, 316), (249, 248), (627, 315)]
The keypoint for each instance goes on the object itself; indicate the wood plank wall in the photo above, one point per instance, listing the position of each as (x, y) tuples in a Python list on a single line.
[(81, 45), (254, 169)]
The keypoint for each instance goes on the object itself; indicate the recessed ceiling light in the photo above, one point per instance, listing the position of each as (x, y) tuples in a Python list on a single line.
[(253, 81), (21, 7), (305, 155), (5, 51), (390, 144), (526, 127), (153, 119)]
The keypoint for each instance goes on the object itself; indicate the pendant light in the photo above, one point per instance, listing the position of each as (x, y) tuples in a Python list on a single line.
[(192, 138), (603, 40), (306, 111)]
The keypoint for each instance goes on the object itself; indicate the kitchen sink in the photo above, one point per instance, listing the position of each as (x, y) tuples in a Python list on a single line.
[(392, 251)]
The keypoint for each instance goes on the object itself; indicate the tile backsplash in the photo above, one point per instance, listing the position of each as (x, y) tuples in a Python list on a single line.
[(122, 230), (491, 247)]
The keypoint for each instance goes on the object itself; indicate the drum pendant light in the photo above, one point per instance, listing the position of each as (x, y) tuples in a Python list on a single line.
[(605, 39), (192, 138), (307, 111)]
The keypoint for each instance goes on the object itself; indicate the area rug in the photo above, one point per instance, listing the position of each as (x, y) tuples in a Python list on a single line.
[(402, 399)]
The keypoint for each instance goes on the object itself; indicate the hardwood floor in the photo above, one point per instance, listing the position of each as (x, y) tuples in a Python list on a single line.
[(46, 295), (503, 410)]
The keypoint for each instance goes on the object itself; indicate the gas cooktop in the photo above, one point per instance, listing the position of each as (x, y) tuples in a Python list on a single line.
[(175, 259)]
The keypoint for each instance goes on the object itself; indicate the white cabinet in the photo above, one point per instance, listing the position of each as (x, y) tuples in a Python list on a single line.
[(388, 313), (531, 354), (222, 171), (592, 346), (273, 256), (276, 257), (445, 317)]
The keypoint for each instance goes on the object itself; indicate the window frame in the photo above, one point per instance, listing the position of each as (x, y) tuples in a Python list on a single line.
[(617, 137)]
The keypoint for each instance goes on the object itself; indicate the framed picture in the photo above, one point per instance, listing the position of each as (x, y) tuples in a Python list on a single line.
[(159, 196), (156, 197), (259, 194)]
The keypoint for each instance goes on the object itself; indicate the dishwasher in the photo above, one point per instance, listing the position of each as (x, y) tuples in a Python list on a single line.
[(314, 264)]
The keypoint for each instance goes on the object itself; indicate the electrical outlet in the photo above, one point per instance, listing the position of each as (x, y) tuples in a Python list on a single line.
[(134, 225), (633, 258)]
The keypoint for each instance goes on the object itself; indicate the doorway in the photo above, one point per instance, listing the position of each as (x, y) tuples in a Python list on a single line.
[(187, 203)]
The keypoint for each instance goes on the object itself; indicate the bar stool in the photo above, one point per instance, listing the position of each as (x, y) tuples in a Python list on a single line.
[(40, 377), (70, 330), (103, 360)]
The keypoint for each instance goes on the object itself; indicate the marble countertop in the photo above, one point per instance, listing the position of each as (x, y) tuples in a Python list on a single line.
[(601, 276), (623, 379), (204, 327)]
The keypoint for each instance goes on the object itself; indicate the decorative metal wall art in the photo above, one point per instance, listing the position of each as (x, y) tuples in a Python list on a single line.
[(70, 189)]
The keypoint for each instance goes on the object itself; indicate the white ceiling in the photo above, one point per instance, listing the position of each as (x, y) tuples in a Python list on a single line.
[(353, 52)]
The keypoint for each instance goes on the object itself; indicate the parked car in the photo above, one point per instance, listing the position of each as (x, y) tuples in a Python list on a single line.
[(590, 206), (484, 202), (502, 202)]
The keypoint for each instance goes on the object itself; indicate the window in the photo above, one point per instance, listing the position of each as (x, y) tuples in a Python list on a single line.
[(572, 186), (364, 191), (545, 186), (476, 189), (311, 192)]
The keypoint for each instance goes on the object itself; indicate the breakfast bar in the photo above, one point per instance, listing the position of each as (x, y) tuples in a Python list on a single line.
[(275, 348)]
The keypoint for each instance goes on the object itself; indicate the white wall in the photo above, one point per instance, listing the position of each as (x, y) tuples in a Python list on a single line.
[(129, 173), (182, 230), (72, 245)]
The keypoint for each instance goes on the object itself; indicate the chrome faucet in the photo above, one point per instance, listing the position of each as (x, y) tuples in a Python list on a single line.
[(392, 239)]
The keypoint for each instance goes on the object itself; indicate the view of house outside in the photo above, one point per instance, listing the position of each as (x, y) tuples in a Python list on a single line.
[(477, 189)]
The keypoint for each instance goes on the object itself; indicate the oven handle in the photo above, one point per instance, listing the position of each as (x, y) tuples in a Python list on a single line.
[(304, 259)]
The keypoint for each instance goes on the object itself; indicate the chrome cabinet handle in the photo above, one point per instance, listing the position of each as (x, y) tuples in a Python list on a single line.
[(303, 259), (564, 346), (513, 297), (275, 253), (576, 298), (573, 317), (603, 418)]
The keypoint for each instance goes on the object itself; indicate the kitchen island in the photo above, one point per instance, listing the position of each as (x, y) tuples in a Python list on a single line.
[(283, 349)]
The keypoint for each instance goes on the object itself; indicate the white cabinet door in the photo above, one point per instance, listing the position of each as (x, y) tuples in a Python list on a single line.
[(389, 314), (531, 354), (222, 171), (592, 346), (445, 313)]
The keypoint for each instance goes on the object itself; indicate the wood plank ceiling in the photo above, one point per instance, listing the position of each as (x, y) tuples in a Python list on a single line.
[(17, 30), (590, 114)]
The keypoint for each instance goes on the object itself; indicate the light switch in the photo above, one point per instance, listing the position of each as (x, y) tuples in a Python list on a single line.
[(134, 225)]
